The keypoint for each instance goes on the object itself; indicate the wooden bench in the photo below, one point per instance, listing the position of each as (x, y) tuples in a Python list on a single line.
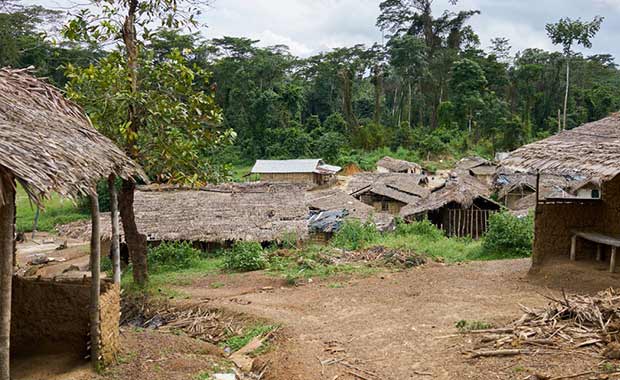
[(601, 239)]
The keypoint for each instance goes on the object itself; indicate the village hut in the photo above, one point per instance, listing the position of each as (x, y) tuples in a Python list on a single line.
[(392, 165), (513, 187), (331, 207), (483, 169), (388, 192), (576, 227), (214, 216), (47, 144), (296, 171), (460, 208)]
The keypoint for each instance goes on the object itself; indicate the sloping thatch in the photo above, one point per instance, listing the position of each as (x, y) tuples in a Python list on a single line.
[(592, 150), (462, 189), (469, 163), (398, 166), (48, 142), (253, 212)]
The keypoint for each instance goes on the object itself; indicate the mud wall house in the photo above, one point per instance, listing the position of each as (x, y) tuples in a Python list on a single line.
[(460, 208), (296, 171), (388, 192), (392, 165), (592, 150), (215, 216), (484, 170), (47, 144)]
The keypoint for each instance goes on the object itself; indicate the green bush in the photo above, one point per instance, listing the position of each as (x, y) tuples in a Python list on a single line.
[(245, 257), (424, 228), (174, 255), (355, 235), (509, 236)]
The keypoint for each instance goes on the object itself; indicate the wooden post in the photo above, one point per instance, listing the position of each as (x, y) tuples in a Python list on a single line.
[(116, 254), (95, 267), (7, 237), (599, 254), (573, 248), (612, 262)]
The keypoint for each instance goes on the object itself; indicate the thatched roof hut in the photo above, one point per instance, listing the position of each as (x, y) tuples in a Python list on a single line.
[(392, 165), (216, 214), (49, 144), (592, 150)]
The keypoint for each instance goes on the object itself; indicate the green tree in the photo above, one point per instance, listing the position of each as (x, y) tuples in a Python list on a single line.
[(568, 32), (468, 86)]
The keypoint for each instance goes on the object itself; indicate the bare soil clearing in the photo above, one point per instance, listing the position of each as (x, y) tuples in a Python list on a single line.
[(401, 325)]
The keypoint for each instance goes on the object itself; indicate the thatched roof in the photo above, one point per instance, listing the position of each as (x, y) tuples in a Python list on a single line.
[(592, 150), (462, 189), (402, 187), (254, 212), (48, 142), (398, 166)]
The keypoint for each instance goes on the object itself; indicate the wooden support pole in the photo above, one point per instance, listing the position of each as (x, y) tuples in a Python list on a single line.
[(599, 254), (612, 262), (7, 237), (95, 267), (116, 250), (573, 248)]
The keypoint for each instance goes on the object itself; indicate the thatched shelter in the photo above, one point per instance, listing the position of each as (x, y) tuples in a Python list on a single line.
[(460, 208), (481, 168), (392, 165), (388, 192), (48, 144), (589, 151), (215, 215), (512, 187)]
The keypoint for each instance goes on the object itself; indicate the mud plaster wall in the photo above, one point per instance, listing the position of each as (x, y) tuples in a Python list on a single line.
[(54, 316), (554, 222)]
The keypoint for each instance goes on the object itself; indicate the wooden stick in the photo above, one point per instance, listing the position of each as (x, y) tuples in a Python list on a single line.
[(484, 354), (7, 233), (116, 254), (573, 375), (612, 263), (95, 268)]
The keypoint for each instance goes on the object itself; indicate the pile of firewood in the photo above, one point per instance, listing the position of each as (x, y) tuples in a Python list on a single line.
[(589, 323)]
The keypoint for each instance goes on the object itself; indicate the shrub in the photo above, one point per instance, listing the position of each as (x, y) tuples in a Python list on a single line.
[(509, 236), (176, 255), (355, 235), (424, 228), (245, 257)]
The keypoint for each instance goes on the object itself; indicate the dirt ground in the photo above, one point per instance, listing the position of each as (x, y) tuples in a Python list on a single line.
[(392, 325)]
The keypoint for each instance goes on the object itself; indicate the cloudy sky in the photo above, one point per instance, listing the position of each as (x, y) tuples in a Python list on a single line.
[(310, 26)]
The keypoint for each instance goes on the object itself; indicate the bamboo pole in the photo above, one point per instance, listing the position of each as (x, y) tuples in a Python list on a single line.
[(7, 237), (116, 254), (95, 267)]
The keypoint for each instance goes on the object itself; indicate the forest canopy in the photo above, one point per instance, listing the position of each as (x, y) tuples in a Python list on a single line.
[(430, 92)]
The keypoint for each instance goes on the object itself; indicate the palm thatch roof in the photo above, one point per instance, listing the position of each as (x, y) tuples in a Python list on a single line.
[(398, 166), (592, 150), (49, 144), (232, 212), (462, 189), (404, 182)]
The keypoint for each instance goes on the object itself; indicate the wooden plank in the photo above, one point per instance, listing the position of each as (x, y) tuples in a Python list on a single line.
[(95, 287), (573, 247), (599, 254), (611, 240), (612, 263)]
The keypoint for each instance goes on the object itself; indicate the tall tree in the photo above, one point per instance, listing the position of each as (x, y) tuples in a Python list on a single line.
[(149, 120), (568, 32)]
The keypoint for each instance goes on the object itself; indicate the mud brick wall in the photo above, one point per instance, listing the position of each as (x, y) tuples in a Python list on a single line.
[(554, 222), (49, 316)]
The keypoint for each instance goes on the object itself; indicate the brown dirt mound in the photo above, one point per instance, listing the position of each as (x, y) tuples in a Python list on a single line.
[(391, 256)]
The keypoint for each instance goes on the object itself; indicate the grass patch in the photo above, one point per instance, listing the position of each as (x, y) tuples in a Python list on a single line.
[(465, 325), (57, 211), (237, 342)]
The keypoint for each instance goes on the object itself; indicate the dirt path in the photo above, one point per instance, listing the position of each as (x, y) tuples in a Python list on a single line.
[(395, 325)]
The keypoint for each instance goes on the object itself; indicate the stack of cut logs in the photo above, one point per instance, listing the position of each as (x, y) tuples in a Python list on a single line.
[(588, 323)]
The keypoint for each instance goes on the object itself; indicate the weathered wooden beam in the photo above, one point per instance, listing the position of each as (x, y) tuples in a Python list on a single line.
[(573, 248), (612, 262), (116, 251), (95, 268), (599, 254), (7, 237)]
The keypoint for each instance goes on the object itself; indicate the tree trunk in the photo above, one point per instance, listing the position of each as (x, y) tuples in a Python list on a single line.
[(566, 93), (95, 268), (409, 100), (7, 238), (116, 254), (378, 93), (136, 242)]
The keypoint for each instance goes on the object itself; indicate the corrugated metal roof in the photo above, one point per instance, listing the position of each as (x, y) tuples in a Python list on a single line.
[(293, 166)]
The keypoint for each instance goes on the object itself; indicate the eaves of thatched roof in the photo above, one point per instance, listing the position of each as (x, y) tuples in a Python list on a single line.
[(592, 150), (397, 166), (49, 144)]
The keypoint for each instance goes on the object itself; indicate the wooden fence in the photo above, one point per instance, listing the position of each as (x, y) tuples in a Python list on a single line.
[(467, 222)]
